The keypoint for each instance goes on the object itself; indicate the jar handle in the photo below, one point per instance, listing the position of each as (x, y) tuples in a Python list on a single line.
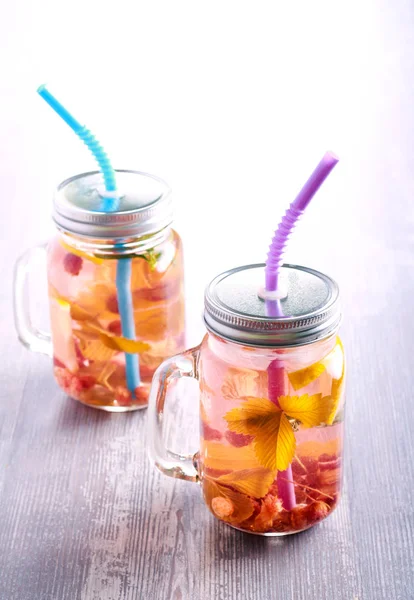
[(180, 466), (30, 336)]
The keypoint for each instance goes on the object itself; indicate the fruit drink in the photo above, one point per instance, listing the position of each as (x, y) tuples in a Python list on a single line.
[(104, 350), (271, 397), (246, 438), (88, 346)]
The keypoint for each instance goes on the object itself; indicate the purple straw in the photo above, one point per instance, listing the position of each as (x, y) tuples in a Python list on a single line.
[(276, 373), (295, 210), (276, 387)]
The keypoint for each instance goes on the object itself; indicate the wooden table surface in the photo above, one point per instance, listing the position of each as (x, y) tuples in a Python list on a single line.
[(83, 515)]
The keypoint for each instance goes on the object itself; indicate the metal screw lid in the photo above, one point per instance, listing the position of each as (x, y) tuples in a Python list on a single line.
[(145, 206), (235, 311)]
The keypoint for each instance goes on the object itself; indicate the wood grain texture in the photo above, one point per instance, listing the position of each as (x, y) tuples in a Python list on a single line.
[(83, 515)]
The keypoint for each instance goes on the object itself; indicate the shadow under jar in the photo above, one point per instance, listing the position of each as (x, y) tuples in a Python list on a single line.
[(271, 402), (88, 345)]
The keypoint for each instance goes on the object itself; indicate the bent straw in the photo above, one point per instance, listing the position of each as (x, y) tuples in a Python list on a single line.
[(110, 204), (276, 372), (288, 222)]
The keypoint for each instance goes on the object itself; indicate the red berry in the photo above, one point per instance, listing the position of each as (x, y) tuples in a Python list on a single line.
[(72, 384), (299, 516), (270, 508), (317, 511), (238, 439), (256, 507), (312, 480), (301, 496), (87, 381), (310, 464), (123, 396), (298, 469), (273, 504), (327, 457), (72, 263), (210, 434), (141, 394), (115, 327), (76, 387), (112, 303), (222, 507)]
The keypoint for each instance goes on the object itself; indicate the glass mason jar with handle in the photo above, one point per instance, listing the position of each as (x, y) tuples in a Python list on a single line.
[(87, 344), (271, 403)]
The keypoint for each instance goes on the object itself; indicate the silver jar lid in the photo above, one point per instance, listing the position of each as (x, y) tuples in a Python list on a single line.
[(145, 206), (235, 310)]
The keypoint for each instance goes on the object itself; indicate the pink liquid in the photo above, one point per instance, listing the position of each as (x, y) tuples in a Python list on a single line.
[(238, 486), (86, 327)]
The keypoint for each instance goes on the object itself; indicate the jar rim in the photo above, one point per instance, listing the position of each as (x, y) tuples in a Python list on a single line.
[(145, 205), (225, 314)]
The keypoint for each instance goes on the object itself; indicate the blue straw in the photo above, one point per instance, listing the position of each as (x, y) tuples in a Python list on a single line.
[(126, 311), (99, 154), (123, 272)]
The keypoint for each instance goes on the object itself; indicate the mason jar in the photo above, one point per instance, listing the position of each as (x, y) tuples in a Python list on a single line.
[(91, 355), (271, 396)]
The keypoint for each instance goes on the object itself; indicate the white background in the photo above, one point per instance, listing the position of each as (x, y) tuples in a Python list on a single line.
[(231, 102)]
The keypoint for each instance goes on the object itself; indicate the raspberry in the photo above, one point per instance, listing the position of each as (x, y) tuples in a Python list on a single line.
[(327, 457), (298, 469), (299, 517), (238, 440), (312, 480), (141, 394), (72, 263), (311, 464), (115, 327), (87, 381), (270, 509), (123, 396), (301, 496), (71, 384), (210, 434), (76, 387), (273, 504), (317, 511), (282, 521), (112, 304), (222, 507), (256, 507)]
